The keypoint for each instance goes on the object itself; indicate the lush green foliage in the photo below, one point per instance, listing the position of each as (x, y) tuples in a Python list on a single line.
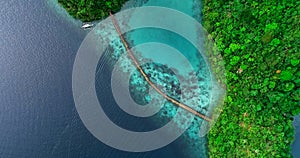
[(89, 10), (259, 41)]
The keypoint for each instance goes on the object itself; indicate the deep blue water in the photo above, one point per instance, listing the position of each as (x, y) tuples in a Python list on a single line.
[(37, 113)]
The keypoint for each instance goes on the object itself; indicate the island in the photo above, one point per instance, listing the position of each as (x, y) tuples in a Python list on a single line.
[(90, 10)]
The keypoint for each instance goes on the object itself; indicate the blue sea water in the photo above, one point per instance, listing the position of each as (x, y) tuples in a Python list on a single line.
[(37, 112)]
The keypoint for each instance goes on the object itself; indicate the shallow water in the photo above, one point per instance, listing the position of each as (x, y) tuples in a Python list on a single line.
[(37, 111), (193, 146)]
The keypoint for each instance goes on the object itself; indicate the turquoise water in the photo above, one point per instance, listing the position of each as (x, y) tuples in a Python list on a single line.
[(189, 144), (183, 6), (194, 146)]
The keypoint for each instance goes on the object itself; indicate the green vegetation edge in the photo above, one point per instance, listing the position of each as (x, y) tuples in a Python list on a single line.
[(259, 42), (90, 10)]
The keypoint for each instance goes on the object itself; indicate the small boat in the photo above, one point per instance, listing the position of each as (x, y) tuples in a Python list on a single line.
[(87, 26)]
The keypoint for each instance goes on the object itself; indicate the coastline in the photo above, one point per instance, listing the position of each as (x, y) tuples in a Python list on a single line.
[(56, 7)]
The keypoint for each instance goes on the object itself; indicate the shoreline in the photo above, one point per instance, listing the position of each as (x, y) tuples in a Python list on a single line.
[(62, 12)]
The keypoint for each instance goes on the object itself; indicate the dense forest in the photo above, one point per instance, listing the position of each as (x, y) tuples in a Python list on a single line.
[(89, 10), (259, 41)]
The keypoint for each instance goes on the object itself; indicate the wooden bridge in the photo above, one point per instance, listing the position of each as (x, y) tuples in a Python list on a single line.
[(137, 65)]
